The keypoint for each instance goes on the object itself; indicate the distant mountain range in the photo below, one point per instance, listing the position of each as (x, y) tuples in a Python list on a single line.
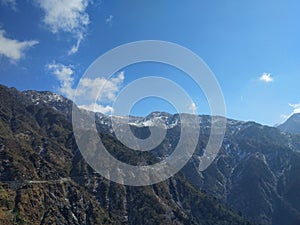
[(45, 180)]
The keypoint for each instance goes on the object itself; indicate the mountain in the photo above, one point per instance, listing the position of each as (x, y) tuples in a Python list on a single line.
[(255, 172), (292, 125), (45, 180)]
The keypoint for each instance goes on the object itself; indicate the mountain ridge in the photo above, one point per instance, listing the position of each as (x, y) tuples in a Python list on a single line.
[(44, 179), (291, 125), (252, 155)]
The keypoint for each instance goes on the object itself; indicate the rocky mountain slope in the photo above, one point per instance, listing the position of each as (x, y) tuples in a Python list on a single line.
[(44, 179), (292, 125), (255, 172)]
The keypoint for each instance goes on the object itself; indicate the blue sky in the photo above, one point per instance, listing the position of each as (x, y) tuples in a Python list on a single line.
[(252, 47)]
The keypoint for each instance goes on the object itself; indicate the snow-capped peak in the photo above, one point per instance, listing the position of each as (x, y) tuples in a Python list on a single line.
[(44, 96)]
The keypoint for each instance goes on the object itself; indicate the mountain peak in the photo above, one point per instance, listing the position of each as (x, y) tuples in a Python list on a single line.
[(52, 100), (292, 125), (44, 96)]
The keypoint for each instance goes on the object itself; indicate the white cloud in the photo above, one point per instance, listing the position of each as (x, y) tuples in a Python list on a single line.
[(11, 3), (13, 49), (64, 75), (109, 19), (266, 77), (75, 47), (193, 108), (97, 108), (67, 16), (89, 88), (284, 117), (296, 108), (88, 91)]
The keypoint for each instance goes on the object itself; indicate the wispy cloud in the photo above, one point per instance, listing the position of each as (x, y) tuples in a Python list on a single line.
[(66, 16), (266, 77), (88, 91), (95, 107), (284, 117), (75, 47), (296, 109), (193, 108), (109, 19), (10, 3), (13, 49), (64, 75)]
